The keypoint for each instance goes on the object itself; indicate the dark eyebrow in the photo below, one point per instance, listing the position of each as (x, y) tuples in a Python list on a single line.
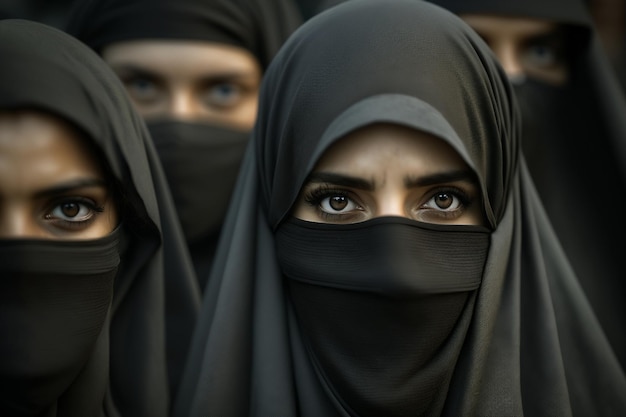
[(440, 178), (226, 76), (126, 70), (71, 186), (556, 33), (343, 180)]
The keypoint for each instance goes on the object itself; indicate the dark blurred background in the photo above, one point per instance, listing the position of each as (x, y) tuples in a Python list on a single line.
[(52, 12), (609, 16)]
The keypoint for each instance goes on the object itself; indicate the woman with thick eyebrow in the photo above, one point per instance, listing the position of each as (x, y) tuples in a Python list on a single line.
[(385, 252), (573, 134), (193, 70), (97, 296)]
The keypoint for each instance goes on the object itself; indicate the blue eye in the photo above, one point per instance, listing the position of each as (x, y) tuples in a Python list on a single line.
[(142, 84), (543, 55), (223, 95), (142, 89)]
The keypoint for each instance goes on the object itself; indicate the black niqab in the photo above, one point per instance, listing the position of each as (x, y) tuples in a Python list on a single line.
[(259, 26), (574, 142), (270, 340), (54, 301), (133, 366)]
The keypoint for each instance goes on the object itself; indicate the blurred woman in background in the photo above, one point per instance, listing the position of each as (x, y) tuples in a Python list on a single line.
[(193, 69), (574, 134)]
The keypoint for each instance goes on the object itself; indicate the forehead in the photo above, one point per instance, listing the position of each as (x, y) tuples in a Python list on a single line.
[(174, 57), (39, 148), (499, 25), (385, 145)]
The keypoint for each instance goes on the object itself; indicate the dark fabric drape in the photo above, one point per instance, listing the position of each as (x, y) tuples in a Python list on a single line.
[(144, 340), (574, 139), (271, 338), (54, 301), (258, 26), (202, 169)]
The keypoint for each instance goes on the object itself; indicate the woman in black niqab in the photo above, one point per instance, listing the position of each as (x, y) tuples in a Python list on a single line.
[(573, 138), (309, 319), (145, 325), (200, 157)]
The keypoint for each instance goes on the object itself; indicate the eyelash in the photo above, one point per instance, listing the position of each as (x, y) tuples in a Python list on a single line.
[(465, 201), (315, 196), (94, 209), (131, 80)]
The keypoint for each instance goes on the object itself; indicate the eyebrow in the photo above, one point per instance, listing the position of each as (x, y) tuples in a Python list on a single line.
[(217, 76), (409, 182), (343, 180), (130, 69), (441, 178), (71, 186)]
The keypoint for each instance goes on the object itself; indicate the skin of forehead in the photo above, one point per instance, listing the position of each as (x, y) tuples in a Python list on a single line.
[(183, 59)]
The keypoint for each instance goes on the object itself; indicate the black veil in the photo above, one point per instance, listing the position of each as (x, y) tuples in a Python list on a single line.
[(529, 325)]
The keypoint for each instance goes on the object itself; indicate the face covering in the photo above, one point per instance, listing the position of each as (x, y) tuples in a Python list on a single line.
[(201, 163), (544, 108), (54, 300), (384, 306), (552, 116)]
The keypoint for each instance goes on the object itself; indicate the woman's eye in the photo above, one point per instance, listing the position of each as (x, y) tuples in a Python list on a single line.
[(444, 201), (223, 95), (337, 204), (543, 55), (72, 211), (142, 89)]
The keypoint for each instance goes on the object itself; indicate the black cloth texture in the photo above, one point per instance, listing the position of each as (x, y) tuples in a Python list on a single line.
[(574, 140), (413, 285), (54, 301), (258, 26), (201, 163), (306, 319), (130, 367)]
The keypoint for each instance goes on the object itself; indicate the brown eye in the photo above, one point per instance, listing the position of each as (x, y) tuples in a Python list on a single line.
[(70, 209), (73, 211), (443, 201), (338, 202), (333, 203)]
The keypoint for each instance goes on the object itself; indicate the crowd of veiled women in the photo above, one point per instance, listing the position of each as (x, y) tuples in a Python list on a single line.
[(353, 208)]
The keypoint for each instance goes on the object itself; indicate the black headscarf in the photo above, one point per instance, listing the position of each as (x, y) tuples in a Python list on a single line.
[(574, 139), (200, 159), (259, 26), (129, 345), (296, 320)]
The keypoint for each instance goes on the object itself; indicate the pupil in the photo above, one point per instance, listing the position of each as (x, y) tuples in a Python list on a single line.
[(70, 209), (338, 202), (443, 201), (141, 86), (225, 89)]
